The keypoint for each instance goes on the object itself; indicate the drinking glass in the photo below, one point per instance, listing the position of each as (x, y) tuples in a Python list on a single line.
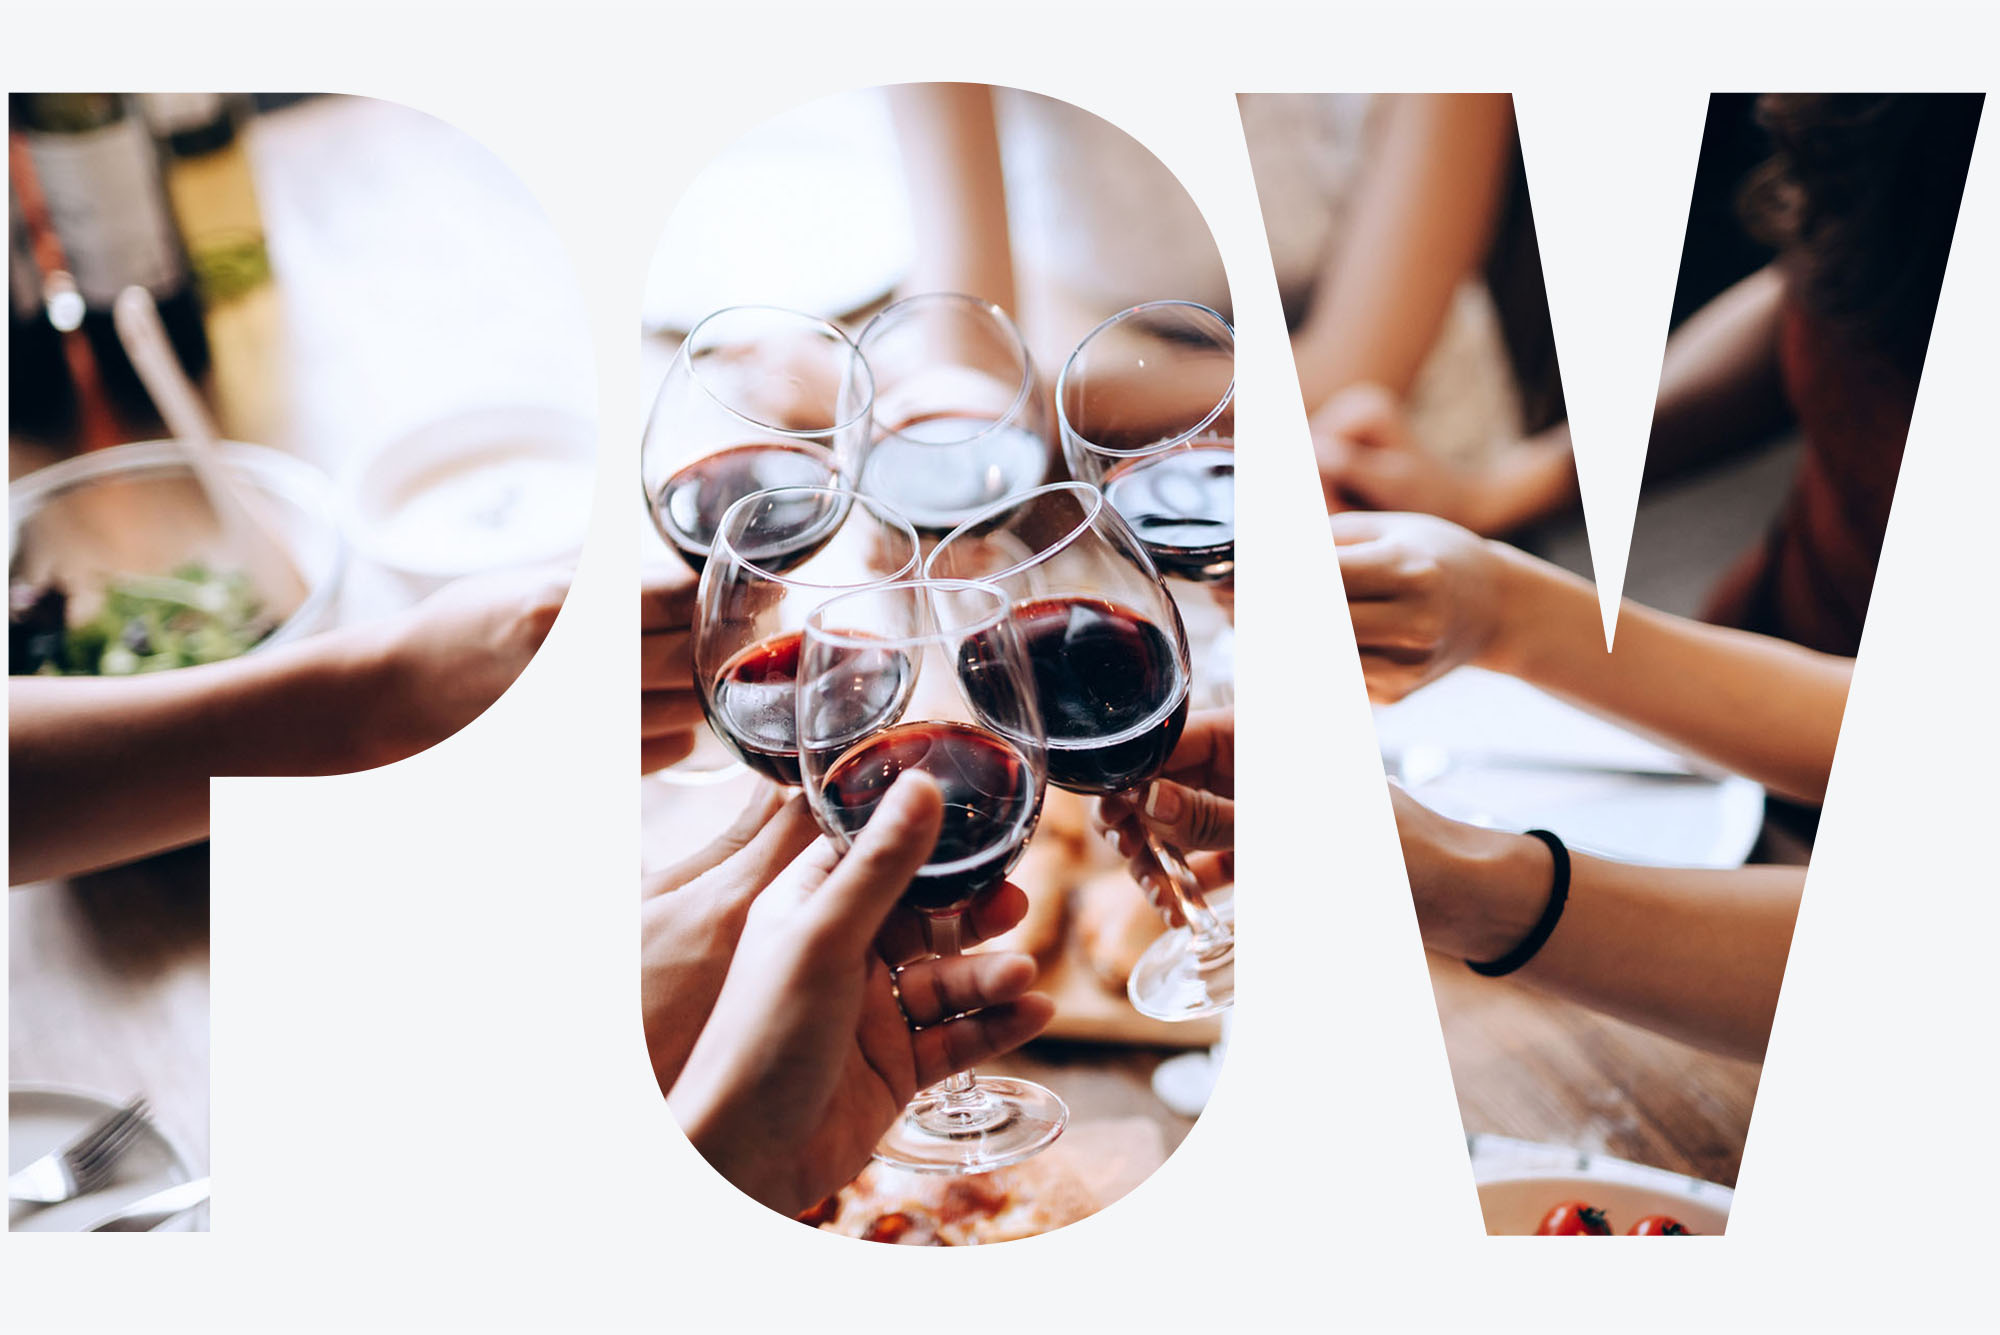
[(1110, 662), (950, 652), (776, 556), (958, 420), (757, 397)]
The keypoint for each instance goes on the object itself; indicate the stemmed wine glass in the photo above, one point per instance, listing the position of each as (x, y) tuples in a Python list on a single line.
[(776, 556), (1110, 661), (952, 652), (757, 397), (958, 420), (1146, 406)]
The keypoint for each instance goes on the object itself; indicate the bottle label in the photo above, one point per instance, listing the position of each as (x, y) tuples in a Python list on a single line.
[(104, 198)]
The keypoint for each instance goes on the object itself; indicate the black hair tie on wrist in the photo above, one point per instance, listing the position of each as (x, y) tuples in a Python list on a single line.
[(1551, 915)]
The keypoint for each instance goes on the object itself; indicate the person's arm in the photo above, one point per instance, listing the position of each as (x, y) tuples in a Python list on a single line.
[(1697, 955), (958, 200), (1421, 224), (104, 770), (1720, 385), (1427, 596)]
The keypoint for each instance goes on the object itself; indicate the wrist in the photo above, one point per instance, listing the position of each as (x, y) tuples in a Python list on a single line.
[(1518, 588), (1497, 886)]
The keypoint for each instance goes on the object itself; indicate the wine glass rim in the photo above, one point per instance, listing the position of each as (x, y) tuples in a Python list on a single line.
[(816, 627), (721, 543), (1140, 452), (1094, 503), (1022, 393), (865, 411)]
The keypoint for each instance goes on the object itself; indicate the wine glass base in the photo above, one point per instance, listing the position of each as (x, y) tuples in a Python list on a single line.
[(1012, 1120), (1171, 983)]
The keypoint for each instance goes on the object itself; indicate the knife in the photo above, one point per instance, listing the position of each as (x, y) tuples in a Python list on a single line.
[(149, 1212)]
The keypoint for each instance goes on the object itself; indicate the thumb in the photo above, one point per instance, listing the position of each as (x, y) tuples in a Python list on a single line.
[(899, 838), (1189, 818)]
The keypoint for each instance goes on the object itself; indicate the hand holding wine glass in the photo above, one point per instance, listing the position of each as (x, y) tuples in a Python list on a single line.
[(1111, 673), (1191, 806), (965, 718), (813, 1046)]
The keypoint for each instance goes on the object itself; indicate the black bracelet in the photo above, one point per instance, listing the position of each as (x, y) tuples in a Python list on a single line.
[(1551, 915)]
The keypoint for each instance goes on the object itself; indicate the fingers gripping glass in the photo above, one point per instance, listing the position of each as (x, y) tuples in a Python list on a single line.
[(1110, 662), (932, 676), (775, 556)]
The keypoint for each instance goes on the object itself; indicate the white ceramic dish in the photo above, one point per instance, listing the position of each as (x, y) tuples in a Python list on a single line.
[(1682, 822), (1514, 1206), (483, 490), (41, 1117)]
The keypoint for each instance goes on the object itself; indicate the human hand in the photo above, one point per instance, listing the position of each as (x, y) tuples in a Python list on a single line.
[(1371, 459), (691, 916), (807, 1058), (669, 705), (438, 666), (1191, 807), (1425, 595)]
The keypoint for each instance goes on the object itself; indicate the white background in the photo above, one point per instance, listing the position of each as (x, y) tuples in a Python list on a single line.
[(431, 1103)]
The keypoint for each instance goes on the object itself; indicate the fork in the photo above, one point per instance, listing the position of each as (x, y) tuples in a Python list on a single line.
[(84, 1164)]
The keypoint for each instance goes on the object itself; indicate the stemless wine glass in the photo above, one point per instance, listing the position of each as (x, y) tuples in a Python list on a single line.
[(1146, 410), (1110, 661), (776, 556), (958, 421), (953, 653), (757, 397)]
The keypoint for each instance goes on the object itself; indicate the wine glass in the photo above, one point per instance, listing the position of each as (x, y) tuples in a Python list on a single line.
[(1147, 414), (757, 397), (958, 420), (952, 655), (1110, 661), (776, 556)]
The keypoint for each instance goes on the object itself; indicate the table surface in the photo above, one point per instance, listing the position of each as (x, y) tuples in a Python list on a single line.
[(387, 229)]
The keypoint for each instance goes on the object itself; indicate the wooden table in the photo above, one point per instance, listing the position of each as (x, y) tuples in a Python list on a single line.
[(415, 278)]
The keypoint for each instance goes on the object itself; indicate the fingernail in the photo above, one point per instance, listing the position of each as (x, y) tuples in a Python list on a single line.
[(1163, 802)]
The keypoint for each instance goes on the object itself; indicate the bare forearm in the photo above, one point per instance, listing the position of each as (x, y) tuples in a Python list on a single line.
[(958, 200), (104, 770), (1423, 221), (1752, 704), (1720, 386), (1697, 955)]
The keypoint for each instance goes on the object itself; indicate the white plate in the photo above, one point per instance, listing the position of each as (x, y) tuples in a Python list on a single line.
[(482, 490), (41, 1117), (1678, 822), (1514, 1206)]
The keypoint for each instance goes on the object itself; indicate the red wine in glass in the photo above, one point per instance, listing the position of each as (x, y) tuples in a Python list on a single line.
[(691, 504), (1112, 693), (752, 703), (1182, 504), (991, 804), (938, 472)]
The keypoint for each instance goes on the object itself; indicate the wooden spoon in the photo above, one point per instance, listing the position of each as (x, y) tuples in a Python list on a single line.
[(246, 529)]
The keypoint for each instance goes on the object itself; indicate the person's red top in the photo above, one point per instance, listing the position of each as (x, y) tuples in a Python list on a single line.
[(1808, 581)]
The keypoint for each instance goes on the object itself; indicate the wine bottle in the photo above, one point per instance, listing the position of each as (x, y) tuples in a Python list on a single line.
[(99, 174), (41, 398), (213, 193)]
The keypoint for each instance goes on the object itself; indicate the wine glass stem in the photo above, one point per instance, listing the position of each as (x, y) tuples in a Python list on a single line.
[(960, 1089), (1211, 938)]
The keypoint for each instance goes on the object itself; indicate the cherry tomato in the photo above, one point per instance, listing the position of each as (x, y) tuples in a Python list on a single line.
[(1574, 1219), (1654, 1225)]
